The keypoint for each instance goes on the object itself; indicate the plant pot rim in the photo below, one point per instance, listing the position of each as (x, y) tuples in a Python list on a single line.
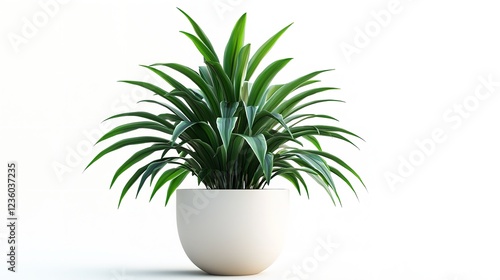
[(231, 190)]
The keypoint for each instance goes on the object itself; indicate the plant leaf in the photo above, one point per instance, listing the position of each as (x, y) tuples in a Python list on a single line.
[(126, 142), (134, 126), (227, 109), (316, 163), (180, 128), (208, 54), (268, 166), (287, 88), (135, 158), (226, 127), (251, 112), (165, 177), (240, 69), (145, 85), (222, 80), (173, 82), (263, 80), (130, 182), (287, 105), (244, 92), (341, 176), (199, 32), (171, 108), (234, 45), (174, 184), (262, 51), (204, 86), (313, 141), (145, 115), (152, 167), (205, 75), (258, 145), (339, 162), (275, 116)]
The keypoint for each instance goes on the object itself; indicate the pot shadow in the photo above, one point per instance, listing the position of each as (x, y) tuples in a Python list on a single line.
[(179, 273)]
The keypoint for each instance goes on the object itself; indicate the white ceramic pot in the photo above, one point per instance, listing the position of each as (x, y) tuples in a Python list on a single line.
[(232, 232)]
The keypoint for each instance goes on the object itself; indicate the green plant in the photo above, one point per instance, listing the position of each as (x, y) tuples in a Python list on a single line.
[(231, 133)]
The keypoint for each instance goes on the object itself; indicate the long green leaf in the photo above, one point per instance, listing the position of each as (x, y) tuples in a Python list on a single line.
[(258, 145), (262, 51), (209, 135), (271, 90), (145, 115), (287, 88), (317, 163), (292, 178), (145, 85), (251, 112), (165, 177), (126, 142), (180, 128), (240, 69), (226, 127), (208, 54), (287, 105), (234, 45), (341, 176), (304, 117), (338, 161), (174, 184), (171, 108), (205, 87), (264, 79), (313, 141), (291, 111), (152, 167), (222, 79), (173, 82), (244, 91), (199, 32), (205, 75), (130, 182), (268, 167), (135, 158), (273, 116), (227, 109), (134, 126), (322, 129), (325, 186)]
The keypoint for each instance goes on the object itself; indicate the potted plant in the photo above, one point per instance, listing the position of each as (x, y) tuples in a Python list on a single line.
[(235, 131)]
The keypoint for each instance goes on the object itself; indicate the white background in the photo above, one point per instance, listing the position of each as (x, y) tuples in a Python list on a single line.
[(440, 222)]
